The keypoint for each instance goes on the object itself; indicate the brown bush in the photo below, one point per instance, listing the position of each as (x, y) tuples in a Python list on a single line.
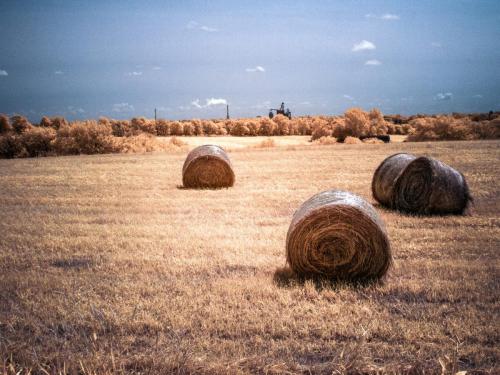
[(352, 141), (267, 127), (139, 144), (282, 125), (176, 128), (357, 122), (188, 128), (442, 128), (5, 125), (378, 125), (303, 126), (37, 141), (142, 125), (162, 128), (87, 137), (20, 124), (327, 140), (11, 147), (239, 128), (58, 121)]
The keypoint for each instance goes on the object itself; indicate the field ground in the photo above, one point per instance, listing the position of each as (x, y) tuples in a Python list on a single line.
[(106, 265), (232, 143)]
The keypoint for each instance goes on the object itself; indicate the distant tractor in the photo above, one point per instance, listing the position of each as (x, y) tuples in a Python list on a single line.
[(280, 111)]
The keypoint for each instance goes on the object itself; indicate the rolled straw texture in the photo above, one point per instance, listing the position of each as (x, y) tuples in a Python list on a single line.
[(207, 167), (338, 235), (420, 185)]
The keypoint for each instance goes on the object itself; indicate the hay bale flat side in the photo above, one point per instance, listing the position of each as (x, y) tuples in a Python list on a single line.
[(338, 235), (207, 167), (429, 186), (386, 175)]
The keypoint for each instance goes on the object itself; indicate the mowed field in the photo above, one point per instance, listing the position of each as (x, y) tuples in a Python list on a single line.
[(108, 266)]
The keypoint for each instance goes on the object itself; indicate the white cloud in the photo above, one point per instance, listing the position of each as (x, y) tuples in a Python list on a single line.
[(58, 72), (208, 102), (258, 68), (385, 16), (216, 101), (123, 107), (373, 62), (193, 25), (3, 73), (156, 67), (134, 74), (75, 111), (348, 97), (477, 96), (444, 96), (390, 17), (265, 104), (436, 45), (363, 45), (208, 29)]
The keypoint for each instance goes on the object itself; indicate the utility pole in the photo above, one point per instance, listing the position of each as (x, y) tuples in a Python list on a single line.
[(155, 115), (227, 111)]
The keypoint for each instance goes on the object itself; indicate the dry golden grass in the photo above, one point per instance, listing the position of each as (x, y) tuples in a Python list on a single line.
[(107, 266)]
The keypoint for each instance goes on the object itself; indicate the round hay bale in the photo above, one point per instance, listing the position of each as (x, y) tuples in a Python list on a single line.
[(420, 185), (338, 235), (207, 167), (385, 176)]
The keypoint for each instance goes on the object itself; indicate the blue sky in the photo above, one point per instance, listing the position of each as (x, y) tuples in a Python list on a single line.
[(85, 59)]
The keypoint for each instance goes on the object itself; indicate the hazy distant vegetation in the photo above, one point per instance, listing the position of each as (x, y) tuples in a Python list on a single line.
[(56, 136)]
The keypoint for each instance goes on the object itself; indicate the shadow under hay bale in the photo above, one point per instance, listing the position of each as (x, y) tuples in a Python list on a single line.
[(339, 236), (420, 185), (207, 167)]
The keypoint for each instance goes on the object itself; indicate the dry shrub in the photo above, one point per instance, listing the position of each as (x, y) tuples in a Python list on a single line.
[(239, 129), (266, 143), (142, 125), (176, 128), (282, 125), (139, 144), (357, 122), (197, 127), (20, 124), (372, 141), (321, 132), (177, 142), (338, 235), (207, 167), (162, 128), (5, 125), (267, 127), (452, 128), (421, 185), (11, 147), (303, 126), (45, 122), (86, 137), (253, 127), (378, 125), (327, 140), (37, 141), (58, 122), (352, 141), (487, 129), (188, 128)]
